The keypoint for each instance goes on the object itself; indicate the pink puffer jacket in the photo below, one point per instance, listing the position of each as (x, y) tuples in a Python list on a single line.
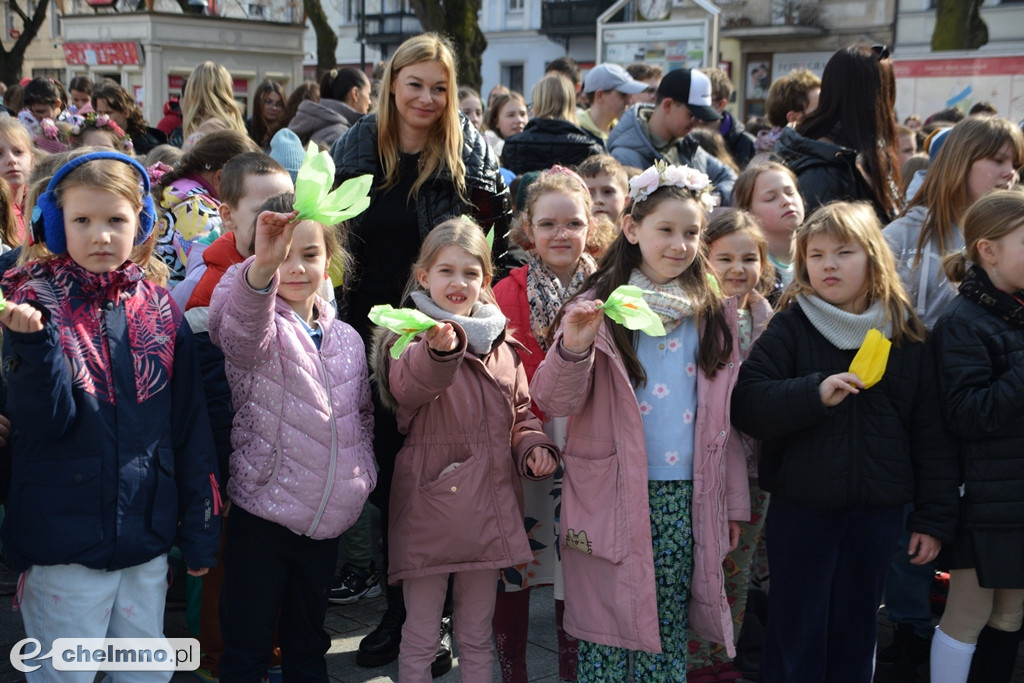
[(302, 436)]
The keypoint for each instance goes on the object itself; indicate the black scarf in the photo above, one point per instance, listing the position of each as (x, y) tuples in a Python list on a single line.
[(979, 288)]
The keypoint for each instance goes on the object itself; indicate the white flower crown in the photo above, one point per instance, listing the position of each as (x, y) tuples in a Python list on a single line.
[(661, 174)]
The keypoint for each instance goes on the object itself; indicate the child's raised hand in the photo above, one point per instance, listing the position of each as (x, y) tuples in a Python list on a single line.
[(835, 388), (441, 338), (541, 462), (273, 239), (580, 324), (21, 318)]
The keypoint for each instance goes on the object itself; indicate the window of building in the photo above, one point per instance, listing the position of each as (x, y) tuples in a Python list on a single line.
[(512, 76), (515, 5)]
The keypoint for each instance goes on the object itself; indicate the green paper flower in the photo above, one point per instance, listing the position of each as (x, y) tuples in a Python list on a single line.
[(314, 199), (3, 301), (405, 322), (627, 307)]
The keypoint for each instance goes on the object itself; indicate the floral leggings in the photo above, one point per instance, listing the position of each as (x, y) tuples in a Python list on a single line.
[(672, 536)]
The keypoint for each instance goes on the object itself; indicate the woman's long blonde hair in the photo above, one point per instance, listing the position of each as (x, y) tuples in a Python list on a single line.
[(944, 190), (443, 151), (209, 94), (857, 222)]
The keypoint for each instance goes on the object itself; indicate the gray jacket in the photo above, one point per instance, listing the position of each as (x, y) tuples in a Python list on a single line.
[(628, 142), (323, 122), (927, 286)]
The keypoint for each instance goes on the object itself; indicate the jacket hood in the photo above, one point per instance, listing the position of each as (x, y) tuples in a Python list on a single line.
[(312, 116), (802, 153), (628, 132)]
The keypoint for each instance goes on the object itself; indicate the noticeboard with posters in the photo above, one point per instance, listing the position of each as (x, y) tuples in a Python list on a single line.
[(671, 45)]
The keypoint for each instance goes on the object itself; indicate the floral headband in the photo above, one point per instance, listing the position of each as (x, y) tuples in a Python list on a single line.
[(665, 175), (101, 122)]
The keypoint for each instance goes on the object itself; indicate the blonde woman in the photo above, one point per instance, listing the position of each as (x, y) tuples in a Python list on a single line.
[(208, 94), (429, 164), (553, 135)]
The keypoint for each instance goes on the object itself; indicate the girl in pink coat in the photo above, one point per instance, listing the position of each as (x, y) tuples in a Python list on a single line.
[(463, 404), (302, 460), (651, 493)]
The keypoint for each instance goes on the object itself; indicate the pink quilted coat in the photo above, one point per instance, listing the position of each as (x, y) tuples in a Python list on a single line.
[(609, 574), (302, 437)]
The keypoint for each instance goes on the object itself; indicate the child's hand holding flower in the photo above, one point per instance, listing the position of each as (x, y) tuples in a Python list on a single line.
[(273, 239), (541, 462), (582, 322), (21, 318), (441, 338)]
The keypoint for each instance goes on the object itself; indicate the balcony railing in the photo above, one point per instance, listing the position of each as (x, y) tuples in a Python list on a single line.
[(571, 16)]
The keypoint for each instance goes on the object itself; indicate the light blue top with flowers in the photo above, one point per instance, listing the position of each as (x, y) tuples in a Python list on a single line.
[(668, 402)]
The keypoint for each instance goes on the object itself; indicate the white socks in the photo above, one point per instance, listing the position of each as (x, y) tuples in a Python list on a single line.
[(950, 659)]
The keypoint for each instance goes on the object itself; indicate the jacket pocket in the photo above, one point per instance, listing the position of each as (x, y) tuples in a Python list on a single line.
[(593, 512), (163, 515), (61, 502)]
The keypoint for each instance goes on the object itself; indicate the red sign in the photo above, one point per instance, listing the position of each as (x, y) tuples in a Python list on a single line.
[(951, 68), (103, 54)]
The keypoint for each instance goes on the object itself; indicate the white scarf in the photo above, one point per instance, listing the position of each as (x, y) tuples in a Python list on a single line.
[(844, 330), (483, 325)]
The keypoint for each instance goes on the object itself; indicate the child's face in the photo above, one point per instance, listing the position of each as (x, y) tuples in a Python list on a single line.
[(16, 164), (80, 99), (100, 228), (103, 107), (454, 280), (44, 111), (559, 231), (737, 263), (668, 237), (512, 118), (474, 111), (1003, 260), (998, 172), (777, 204), (608, 194), (304, 268), (256, 189), (838, 272)]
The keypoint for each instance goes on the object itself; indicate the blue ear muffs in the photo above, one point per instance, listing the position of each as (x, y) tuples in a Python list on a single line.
[(48, 217)]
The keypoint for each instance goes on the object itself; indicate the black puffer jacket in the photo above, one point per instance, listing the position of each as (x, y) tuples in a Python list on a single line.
[(546, 142), (981, 379), (355, 153), (737, 139), (825, 172), (885, 446)]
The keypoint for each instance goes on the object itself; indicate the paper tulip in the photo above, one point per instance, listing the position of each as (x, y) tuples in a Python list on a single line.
[(627, 307), (314, 199), (871, 359), (405, 322)]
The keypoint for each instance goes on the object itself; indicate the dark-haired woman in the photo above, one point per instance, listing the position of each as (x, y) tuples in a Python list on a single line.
[(267, 113), (344, 98), (111, 99), (846, 148)]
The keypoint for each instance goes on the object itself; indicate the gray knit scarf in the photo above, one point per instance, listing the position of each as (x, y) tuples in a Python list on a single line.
[(483, 325), (844, 330)]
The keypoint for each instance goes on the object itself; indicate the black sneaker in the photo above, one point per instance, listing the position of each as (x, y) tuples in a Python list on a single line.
[(353, 583), (442, 663)]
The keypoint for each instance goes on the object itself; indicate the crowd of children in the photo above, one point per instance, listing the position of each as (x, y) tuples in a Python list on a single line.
[(825, 396)]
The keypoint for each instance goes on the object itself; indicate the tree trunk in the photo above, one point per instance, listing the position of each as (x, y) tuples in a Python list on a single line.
[(457, 20), (326, 39), (959, 26), (12, 61)]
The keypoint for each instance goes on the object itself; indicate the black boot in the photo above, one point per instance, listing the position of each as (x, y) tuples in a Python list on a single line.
[(380, 647), (442, 663), (994, 657), (899, 662)]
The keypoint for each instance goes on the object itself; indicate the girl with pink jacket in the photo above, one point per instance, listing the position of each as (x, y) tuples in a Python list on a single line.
[(653, 486), (302, 460), (462, 401)]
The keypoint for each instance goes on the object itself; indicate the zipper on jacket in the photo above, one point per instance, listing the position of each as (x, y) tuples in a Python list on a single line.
[(334, 449)]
